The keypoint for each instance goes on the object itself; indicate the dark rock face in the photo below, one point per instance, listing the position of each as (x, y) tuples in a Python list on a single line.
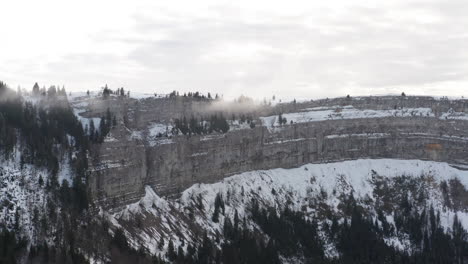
[(121, 167)]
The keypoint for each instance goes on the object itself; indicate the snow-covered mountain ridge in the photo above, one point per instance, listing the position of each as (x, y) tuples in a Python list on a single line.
[(180, 179), (319, 191)]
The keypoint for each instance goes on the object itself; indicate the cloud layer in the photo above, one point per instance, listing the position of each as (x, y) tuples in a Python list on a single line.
[(288, 48)]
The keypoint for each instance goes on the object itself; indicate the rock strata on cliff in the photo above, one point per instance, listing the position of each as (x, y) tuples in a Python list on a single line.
[(143, 150)]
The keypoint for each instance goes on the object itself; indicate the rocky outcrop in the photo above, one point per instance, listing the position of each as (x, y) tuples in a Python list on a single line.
[(125, 163), (174, 167)]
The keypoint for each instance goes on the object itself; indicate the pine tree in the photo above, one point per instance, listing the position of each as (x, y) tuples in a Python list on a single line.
[(41, 181), (119, 239), (219, 205), (215, 217), (106, 92), (52, 91), (171, 254), (280, 119), (36, 89), (236, 221), (161, 243), (17, 219), (102, 129), (92, 131)]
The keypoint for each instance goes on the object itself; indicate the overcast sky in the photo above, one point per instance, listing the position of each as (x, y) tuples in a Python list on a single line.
[(259, 48)]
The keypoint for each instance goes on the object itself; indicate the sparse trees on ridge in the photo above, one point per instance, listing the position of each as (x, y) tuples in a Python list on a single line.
[(216, 123), (282, 120), (195, 95)]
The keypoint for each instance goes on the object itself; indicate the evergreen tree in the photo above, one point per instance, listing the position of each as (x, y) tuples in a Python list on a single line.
[(106, 92), (161, 243), (35, 89), (52, 91), (171, 254), (219, 206), (92, 131), (41, 181)]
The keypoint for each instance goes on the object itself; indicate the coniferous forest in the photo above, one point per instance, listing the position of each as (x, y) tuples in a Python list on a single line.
[(43, 137), (294, 238)]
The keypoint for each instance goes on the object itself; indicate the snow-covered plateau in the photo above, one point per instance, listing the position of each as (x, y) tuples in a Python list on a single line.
[(349, 112)]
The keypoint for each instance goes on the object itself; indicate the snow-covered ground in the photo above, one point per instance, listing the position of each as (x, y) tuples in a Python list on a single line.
[(140, 95), (300, 188), (451, 114), (80, 105), (157, 129), (154, 134), (346, 112), (355, 176), (349, 112), (21, 193), (159, 134), (237, 125)]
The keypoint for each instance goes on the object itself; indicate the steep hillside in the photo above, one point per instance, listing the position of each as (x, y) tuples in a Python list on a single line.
[(105, 178), (403, 201), (43, 173)]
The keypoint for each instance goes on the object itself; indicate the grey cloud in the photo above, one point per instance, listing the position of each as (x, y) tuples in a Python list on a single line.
[(369, 48)]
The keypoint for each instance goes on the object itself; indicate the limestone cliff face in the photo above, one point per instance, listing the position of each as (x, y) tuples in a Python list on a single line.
[(127, 161), (174, 167)]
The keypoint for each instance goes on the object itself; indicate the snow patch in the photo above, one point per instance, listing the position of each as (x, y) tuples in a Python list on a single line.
[(345, 112)]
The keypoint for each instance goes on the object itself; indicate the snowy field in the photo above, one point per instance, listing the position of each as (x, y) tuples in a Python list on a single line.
[(346, 112), (349, 112)]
